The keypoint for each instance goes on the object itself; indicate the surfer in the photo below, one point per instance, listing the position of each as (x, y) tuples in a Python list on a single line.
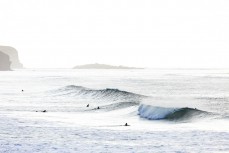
[(22, 90), (87, 105), (44, 111), (126, 124), (98, 107)]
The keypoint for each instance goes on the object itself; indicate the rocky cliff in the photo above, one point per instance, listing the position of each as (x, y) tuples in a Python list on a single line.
[(4, 62), (13, 55)]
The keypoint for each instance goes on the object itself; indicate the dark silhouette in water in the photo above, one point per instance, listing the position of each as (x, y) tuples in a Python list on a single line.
[(98, 107), (126, 124), (87, 105), (44, 111), (22, 90)]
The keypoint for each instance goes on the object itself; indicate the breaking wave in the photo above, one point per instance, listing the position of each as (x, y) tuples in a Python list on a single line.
[(163, 113), (117, 99)]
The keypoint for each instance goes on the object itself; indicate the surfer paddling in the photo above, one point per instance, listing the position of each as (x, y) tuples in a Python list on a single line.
[(44, 111), (126, 124)]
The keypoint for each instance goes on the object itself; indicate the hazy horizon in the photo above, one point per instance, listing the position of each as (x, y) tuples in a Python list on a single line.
[(114, 76), (150, 34)]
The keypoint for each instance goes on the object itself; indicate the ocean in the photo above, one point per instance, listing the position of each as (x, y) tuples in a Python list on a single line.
[(69, 110)]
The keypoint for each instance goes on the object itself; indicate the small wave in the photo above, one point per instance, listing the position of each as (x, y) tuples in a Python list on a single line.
[(108, 93), (214, 98), (162, 113), (115, 106)]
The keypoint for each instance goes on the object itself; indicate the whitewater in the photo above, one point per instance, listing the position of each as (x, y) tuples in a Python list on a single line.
[(67, 110)]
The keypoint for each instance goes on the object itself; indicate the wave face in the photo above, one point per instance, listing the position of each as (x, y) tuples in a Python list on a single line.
[(114, 99), (106, 99), (162, 113), (103, 94)]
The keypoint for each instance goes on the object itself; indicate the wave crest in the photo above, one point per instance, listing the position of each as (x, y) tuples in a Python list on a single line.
[(160, 113), (108, 93)]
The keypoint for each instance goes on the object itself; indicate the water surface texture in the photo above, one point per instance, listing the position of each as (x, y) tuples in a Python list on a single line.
[(60, 110)]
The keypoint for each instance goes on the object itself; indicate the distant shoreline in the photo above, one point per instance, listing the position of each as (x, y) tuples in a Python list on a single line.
[(102, 66)]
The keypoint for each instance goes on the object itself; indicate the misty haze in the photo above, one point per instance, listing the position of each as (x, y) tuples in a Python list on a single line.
[(114, 76)]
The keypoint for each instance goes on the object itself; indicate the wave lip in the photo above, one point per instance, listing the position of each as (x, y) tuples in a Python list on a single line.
[(108, 93), (163, 113)]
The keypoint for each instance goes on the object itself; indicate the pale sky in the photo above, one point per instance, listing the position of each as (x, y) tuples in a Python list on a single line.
[(141, 33)]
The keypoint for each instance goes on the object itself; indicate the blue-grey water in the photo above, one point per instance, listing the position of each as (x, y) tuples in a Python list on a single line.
[(167, 110)]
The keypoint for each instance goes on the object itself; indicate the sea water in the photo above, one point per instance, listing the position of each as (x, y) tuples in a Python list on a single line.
[(45, 110)]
